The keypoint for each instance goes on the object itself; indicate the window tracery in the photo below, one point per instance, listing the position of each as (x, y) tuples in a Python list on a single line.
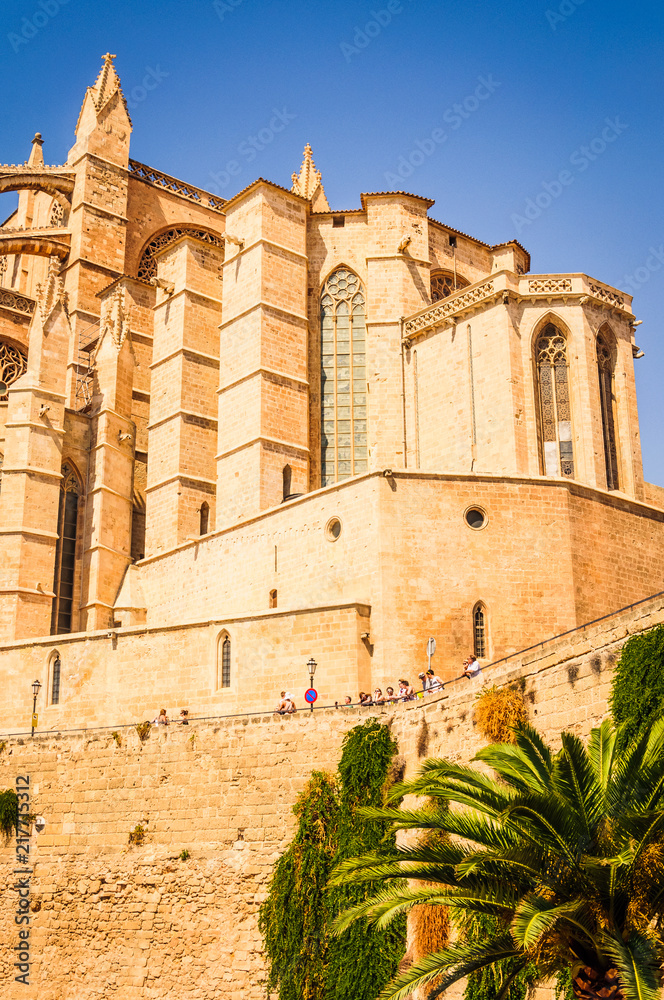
[(13, 364), (554, 402), (606, 368), (147, 267), (444, 284), (343, 377), (65, 554)]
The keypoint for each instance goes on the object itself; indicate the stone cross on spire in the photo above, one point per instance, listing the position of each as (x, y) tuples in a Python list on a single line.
[(308, 183)]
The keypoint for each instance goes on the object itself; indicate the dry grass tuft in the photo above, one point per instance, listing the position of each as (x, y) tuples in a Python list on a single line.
[(497, 710)]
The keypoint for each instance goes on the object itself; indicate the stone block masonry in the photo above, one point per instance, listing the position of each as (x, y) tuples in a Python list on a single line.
[(110, 919)]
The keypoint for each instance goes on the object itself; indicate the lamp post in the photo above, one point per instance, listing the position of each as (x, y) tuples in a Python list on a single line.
[(35, 691), (311, 667)]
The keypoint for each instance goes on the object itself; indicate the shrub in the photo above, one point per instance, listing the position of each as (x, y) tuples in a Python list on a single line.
[(637, 690), (184, 855), (118, 739), (143, 729), (137, 835), (498, 710), (8, 812)]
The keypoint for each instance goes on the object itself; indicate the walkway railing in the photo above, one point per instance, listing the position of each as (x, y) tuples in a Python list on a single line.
[(418, 702)]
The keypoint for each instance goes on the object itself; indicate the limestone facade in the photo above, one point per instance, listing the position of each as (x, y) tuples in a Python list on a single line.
[(252, 415), (142, 921)]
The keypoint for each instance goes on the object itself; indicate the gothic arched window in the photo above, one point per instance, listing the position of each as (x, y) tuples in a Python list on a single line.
[(205, 518), (65, 553), (606, 367), (554, 402), (343, 378), (55, 669), (286, 481), (445, 283), (480, 631), (224, 660), (147, 266), (13, 364)]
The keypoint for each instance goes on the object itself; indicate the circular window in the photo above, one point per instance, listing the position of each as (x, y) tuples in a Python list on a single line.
[(333, 529), (475, 518)]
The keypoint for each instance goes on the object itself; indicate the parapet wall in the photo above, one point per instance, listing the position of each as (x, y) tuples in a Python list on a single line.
[(109, 919)]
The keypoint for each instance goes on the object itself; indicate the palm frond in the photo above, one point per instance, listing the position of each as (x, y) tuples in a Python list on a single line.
[(576, 782), (448, 967), (526, 764), (536, 917), (638, 966), (602, 745)]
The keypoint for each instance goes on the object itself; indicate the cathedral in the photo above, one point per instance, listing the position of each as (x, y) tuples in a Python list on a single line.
[(236, 435)]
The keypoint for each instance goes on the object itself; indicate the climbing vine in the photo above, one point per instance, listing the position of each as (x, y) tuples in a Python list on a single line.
[(305, 961), (637, 691)]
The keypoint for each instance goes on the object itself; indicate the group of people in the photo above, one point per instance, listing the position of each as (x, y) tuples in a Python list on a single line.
[(431, 684), (163, 720)]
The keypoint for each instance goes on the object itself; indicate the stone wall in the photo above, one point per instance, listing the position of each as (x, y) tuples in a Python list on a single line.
[(110, 919)]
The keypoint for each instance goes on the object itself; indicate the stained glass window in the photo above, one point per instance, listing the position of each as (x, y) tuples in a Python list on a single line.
[(343, 378), (554, 403), (606, 367), (444, 283), (65, 553), (479, 631)]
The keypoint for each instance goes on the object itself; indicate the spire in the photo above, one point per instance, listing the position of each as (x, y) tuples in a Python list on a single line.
[(107, 83), (104, 89), (308, 182), (36, 158)]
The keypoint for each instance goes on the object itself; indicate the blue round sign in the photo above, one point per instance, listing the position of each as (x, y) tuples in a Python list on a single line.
[(310, 696)]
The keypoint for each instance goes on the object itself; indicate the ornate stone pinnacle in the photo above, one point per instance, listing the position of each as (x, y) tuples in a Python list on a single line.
[(308, 180)]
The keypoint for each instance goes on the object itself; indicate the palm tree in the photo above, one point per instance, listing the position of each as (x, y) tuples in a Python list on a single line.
[(565, 851)]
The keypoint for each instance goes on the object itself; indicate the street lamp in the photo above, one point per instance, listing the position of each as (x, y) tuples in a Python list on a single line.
[(35, 691), (311, 667)]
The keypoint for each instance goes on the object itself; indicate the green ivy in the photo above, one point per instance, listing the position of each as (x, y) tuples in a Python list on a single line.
[(637, 694), (305, 961), (564, 989), (8, 812)]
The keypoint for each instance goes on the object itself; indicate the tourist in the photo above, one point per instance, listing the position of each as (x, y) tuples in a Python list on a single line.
[(435, 683), (390, 696), (472, 669), (425, 684), (406, 692), (162, 719), (365, 699), (184, 717), (378, 697), (281, 706), (289, 703), (348, 700)]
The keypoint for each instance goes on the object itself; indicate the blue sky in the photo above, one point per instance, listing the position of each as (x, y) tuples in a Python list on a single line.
[(246, 82)]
